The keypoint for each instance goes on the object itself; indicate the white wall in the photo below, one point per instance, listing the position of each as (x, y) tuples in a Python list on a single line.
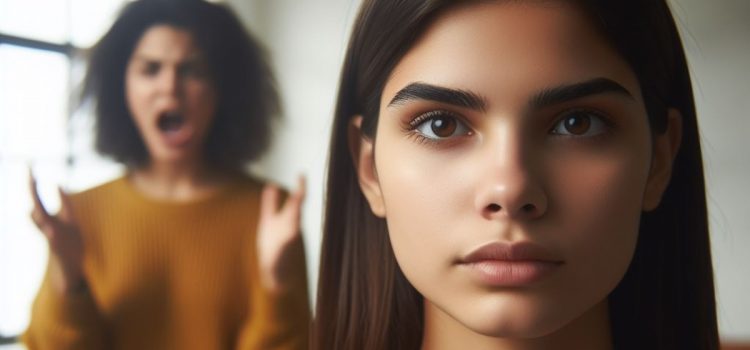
[(716, 40), (307, 40)]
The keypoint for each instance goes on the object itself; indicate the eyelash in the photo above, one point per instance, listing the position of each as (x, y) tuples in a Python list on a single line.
[(606, 122), (411, 127), (150, 69)]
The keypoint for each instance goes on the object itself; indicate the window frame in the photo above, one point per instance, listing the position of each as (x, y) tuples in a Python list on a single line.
[(70, 51)]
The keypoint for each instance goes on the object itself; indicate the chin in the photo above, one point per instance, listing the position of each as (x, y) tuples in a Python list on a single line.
[(167, 156), (514, 325)]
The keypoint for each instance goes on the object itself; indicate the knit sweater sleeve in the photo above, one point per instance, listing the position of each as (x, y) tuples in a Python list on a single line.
[(64, 321)]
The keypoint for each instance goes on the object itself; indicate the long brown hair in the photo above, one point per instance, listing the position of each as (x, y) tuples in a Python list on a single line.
[(665, 300)]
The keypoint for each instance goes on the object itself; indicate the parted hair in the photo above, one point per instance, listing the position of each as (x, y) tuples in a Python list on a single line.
[(666, 298)]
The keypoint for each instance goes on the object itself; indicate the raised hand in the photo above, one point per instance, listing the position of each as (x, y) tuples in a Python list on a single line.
[(65, 243), (280, 247)]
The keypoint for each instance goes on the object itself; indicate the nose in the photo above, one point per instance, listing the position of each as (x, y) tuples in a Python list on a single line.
[(169, 82), (509, 187)]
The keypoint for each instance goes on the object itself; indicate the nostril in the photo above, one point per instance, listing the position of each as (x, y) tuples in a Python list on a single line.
[(494, 208)]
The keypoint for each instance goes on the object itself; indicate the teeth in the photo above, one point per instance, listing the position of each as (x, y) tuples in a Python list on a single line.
[(170, 121)]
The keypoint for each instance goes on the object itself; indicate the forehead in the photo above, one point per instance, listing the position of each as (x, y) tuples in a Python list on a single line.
[(507, 50), (165, 42)]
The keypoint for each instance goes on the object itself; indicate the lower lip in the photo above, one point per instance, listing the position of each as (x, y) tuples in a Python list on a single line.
[(177, 138), (503, 273)]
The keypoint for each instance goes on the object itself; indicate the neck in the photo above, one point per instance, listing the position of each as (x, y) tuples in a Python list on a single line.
[(590, 331), (178, 181)]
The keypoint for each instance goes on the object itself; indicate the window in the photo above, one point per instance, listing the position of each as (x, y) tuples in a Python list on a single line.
[(38, 73)]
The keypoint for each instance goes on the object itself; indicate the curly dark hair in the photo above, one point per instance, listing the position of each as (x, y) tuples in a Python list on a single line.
[(247, 97)]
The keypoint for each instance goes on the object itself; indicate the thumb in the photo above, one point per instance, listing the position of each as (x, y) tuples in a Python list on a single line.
[(301, 187), (269, 201), (66, 207), (293, 205)]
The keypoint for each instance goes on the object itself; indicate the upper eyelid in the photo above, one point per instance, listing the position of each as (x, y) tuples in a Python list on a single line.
[(420, 118), (609, 125), (605, 117), (149, 65), (554, 118)]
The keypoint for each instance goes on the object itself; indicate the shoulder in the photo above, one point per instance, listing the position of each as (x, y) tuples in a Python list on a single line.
[(250, 182), (253, 185), (245, 187), (101, 191), (102, 200)]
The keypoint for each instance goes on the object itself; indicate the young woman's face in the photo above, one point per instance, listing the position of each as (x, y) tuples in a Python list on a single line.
[(512, 161), (170, 94)]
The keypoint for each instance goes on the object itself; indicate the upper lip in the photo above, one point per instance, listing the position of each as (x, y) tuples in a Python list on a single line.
[(167, 115), (171, 113), (510, 251)]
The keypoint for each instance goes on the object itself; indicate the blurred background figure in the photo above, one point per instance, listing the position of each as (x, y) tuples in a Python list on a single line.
[(182, 251), (39, 66)]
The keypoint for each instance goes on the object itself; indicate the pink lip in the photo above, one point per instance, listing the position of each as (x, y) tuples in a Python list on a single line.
[(502, 264), (179, 137)]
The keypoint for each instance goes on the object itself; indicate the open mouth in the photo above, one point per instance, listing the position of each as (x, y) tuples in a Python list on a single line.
[(170, 121)]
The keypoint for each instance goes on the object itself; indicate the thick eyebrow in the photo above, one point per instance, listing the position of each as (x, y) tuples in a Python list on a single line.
[(564, 93), (456, 97)]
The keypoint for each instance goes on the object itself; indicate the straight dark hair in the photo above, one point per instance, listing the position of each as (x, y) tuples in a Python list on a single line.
[(247, 97), (665, 300)]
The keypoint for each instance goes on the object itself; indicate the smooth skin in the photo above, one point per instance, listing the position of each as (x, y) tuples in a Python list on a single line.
[(165, 74), (520, 162)]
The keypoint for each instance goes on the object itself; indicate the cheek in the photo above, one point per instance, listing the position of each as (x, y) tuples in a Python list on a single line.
[(426, 205), (596, 213), (137, 98), (201, 97), (592, 220)]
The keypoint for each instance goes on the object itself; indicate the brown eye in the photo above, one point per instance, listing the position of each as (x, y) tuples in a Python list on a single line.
[(438, 125), (577, 124), (192, 70), (580, 124), (151, 68), (443, 126)]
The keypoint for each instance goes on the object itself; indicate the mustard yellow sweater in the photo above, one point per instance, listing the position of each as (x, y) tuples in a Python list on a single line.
[(165, 275)]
